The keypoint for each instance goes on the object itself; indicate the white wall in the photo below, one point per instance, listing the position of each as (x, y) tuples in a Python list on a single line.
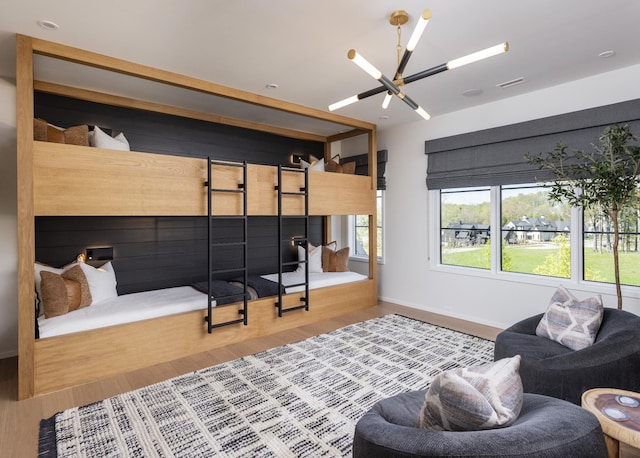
[(407, 277), (8, 229)]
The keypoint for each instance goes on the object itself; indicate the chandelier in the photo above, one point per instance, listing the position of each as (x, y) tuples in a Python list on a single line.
[(393, 87)]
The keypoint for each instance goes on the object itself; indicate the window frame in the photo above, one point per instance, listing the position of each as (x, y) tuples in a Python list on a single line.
[(495, 272), (352, 231)]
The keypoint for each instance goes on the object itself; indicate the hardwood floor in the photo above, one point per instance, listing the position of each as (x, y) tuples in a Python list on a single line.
[(20, 420)]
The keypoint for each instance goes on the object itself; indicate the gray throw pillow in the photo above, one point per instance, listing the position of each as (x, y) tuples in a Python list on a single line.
[(571, 322), (474, 398)]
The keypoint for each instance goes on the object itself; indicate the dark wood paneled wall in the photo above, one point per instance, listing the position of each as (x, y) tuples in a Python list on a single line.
[(166, 134), (159, 252)]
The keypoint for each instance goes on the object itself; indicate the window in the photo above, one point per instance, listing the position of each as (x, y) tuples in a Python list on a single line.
[(465, 227), (359, 234), (537, 237), (598, 246), (535, 233)]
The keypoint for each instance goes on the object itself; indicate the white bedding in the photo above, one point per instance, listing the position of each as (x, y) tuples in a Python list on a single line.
[(125, 309), (316, 279), (152, 304)]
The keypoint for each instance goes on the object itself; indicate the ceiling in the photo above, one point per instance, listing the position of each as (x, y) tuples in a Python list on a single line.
[(301, 46)]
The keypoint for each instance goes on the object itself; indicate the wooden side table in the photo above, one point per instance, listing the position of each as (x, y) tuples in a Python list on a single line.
[(618, 415)]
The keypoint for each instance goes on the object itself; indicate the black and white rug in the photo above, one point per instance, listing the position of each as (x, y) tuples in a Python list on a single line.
[(301, 399)]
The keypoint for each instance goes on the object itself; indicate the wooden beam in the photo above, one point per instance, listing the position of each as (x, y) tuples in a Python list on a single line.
[(26, 237)]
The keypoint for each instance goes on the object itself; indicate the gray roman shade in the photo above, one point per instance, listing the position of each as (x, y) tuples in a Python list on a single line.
[(362, 166), (496, 156)]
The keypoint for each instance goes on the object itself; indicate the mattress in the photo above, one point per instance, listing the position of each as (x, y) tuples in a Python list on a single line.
[(125, 309), (316, 279)]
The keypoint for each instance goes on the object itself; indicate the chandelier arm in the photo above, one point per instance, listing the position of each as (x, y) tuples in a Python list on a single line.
[(426, 73)]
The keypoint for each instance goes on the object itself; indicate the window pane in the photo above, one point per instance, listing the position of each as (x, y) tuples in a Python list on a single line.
[(535, 232), (361, 230), (598, 246), (464, 227)]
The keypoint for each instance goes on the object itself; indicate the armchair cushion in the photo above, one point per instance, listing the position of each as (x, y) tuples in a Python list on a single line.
[(547, 367)]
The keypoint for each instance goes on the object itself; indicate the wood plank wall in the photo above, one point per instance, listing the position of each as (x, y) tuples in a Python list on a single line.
[(166, 134), (160, 252)]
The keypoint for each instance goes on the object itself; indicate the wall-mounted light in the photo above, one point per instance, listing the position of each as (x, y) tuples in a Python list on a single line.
[(99, 254), (295, 158), (298, 240)]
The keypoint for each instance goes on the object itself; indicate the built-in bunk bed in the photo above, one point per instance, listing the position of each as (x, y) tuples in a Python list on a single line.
[(66, 191)]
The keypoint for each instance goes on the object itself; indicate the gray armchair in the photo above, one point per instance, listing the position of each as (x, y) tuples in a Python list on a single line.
[(548, 368), (545, 428)]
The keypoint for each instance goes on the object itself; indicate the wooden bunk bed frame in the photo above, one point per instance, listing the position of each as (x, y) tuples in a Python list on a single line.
[(162, 185)]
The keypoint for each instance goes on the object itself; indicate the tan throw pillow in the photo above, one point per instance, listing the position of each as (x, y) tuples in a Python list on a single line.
[(474, 398), (571, 322), (333, 166), (54, 294), (77, 274), (77, 135), (335, 261), (349, 167)]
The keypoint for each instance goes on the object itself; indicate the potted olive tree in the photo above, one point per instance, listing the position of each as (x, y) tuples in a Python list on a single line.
[(605, 179)]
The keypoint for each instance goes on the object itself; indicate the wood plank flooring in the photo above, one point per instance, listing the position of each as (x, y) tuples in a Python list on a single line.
[(19, 420)]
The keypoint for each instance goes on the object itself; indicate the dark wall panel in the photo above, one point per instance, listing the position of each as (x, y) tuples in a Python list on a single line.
[(160, 133), (160, 252)]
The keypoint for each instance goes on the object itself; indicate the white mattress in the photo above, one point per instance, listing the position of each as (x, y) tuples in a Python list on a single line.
[(125, 309), (316, 279), (161, 302)]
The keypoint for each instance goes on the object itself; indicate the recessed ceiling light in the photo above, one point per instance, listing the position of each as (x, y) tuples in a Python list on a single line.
[(472, 92), (271, 86), (606, 54), (48, 25)]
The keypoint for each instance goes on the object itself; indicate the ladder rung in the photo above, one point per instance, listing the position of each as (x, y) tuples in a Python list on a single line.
[(230, 164), (219, 244), (293, 263), (227, 190), (292, 193), (227, 323), (291, 309), (222, 271)]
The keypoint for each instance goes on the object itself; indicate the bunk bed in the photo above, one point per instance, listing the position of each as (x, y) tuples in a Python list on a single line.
[(54, 179)]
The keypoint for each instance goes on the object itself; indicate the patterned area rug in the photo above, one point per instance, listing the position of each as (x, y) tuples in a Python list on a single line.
[(301, 399)]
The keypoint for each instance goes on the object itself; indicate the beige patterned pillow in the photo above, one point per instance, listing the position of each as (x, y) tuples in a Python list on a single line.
[(474, 398), (571, 322)]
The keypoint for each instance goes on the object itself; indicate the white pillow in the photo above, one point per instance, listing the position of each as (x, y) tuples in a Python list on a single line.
[(315, 258), (101, 139), (316, 165), (102, 282)]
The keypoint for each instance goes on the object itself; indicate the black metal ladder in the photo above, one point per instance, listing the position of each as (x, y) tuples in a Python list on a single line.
[(241, 188), (303, 192)]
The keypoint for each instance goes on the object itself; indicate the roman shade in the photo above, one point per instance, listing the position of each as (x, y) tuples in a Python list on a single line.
[(495, 156), (362, 166)]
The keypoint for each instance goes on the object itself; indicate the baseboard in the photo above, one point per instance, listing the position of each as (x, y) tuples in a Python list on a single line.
[(460, 316), (8, 354)]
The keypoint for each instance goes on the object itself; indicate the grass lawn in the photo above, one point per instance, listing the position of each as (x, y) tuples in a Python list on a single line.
[(525, 259)]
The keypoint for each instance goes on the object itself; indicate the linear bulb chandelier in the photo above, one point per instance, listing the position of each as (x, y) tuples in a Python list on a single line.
[(393, 87)]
